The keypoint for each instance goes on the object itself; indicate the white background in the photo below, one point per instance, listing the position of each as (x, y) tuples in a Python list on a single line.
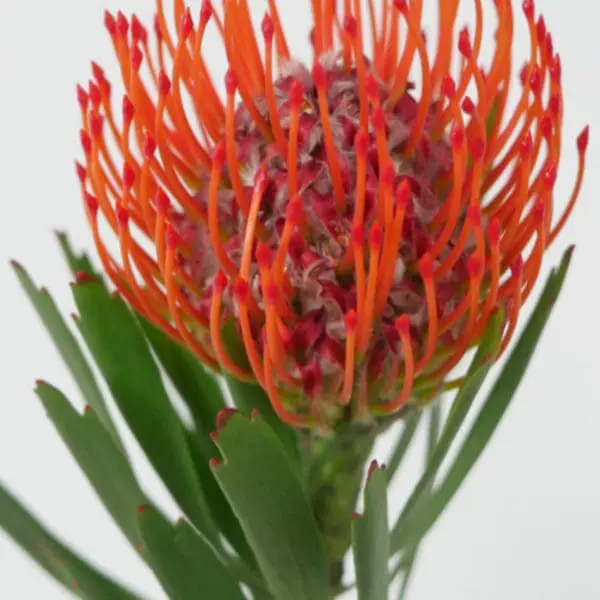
[(526, 524)]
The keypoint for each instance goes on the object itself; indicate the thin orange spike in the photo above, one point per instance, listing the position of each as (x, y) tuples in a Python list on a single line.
[(426, 269)]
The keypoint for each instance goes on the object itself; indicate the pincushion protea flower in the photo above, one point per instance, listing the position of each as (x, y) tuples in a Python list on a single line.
[(354, 230)]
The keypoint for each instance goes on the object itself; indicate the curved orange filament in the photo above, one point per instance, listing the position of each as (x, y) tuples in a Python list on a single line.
[(365, 328), (432, 315)]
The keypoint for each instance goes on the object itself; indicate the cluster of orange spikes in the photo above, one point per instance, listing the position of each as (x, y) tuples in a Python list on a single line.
[(177, 140)]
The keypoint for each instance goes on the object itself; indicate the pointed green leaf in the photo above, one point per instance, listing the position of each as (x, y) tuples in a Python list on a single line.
[(267, 495), (122, 354), (66, 567), (496, 404), (67, 346), (370, 539), (184, 563), (78, 263), (98, 457)]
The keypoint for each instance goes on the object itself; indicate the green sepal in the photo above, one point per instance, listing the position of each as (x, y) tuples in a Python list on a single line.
[(74, 573), (370, 539), (184, 563), (267, 495)]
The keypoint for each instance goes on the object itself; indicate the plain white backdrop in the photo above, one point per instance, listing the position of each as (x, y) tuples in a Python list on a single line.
[(526, 525)]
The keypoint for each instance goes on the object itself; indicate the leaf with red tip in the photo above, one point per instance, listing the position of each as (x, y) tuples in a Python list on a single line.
[(267, 495), (371, 540), (184, 563)]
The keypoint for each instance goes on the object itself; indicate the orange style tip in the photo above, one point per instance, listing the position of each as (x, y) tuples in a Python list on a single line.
[(142, 508), (162, 203), (213, 463), (219, 156), (403, 194), (388, 176), (426, 267), (539, 211), (122, 24), (149, 146), (358, 236), (361, 144), (241, 290), (468, 105), (223, 417), (402, 325), (164, 84), (206, 12), (457, 136), (81, 172), (549, 176), (319, 74), (376, 236), (122, 216), (187, 25), (295, 212), (448, 87), (272, 293), (231, 82), (128, 109), (96, 125), (137, 58), (475, 266), (351, 321), (82, 277), (128, 176), (110, 23), (529, 9), (296, 95), (173, 238), (526, 145), (517, 267), (263, 255), (464, 43), (267, 27), (91, 203), (474, 215), (494, 231), (350, 26), (378, 118), (583, 140), (220, 282)]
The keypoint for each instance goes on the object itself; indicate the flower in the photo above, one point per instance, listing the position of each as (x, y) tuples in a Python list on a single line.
[(351, 230)]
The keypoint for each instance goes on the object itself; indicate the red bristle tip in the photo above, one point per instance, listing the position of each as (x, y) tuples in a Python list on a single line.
[(549, 175), (546, 127), (401, 5), (378, 118), (539, 210), (549, 46), (220, 282), (350, 26), (267, 27), (402, 325), (296, 94), (96, 125), (524, 73), (219, 156), (95, 95), (478, 148), (149, 146), (426, 267), (361, 144), (128, 175), (162, 203), (295, 211), (556, 69), (137, 58), (138, 32), (583, 140), (241, 290), (457, 136), (535, 80), (173, 238), (351, 321), (372, 86), (122, 215), (81, 172), (475, 266), (264, 255), (541, 30), (358, 236), (142, 508), (494, 230), (122, 24), (128, 110), (555, 105), (231, 82), (223, 417), (319, 74), (529, 9), (97, 72), (468, 105), (272, 293), (376, 237), (187, 24), (92, 203), (206, 12), (82, 98), (464, 43), (526, 145), (403, 194), (448, 87), (164, 83), (110, 23), (517, 267), (388, 176), (474, 214)]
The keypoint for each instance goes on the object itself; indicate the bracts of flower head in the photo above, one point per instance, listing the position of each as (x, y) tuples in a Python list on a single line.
[(351, 231)]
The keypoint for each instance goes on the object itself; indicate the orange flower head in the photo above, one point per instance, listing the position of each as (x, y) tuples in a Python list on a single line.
[(351, 225)]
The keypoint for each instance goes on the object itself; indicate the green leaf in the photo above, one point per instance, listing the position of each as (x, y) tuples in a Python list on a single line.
[(410, 425), (122, 354), (267, 495), (480, 367), (184, 563), (370, 539), (66, 567), (489, 416), (98, 457), (248, 397), (77, 263), (68, 347)]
